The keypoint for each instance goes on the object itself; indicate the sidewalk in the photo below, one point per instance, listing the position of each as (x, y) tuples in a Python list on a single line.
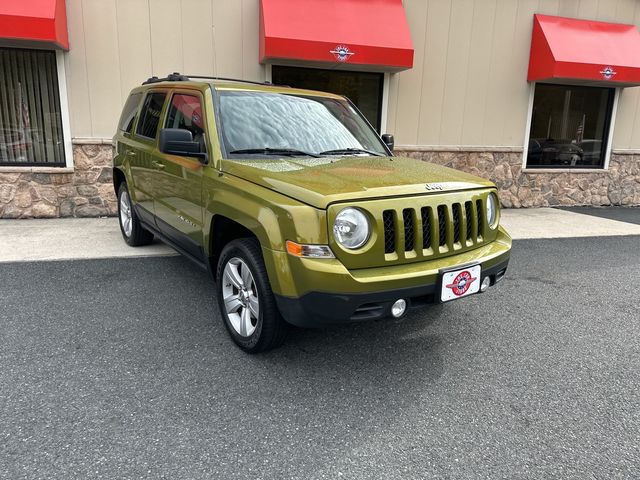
[(81, 238), (522, 223), (69, 238)]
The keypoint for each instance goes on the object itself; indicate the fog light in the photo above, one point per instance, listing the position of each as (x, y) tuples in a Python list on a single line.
[(399, 307), (485, 284)]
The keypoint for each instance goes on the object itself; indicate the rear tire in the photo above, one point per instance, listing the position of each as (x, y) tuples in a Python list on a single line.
[(245, 298), (132, 231)]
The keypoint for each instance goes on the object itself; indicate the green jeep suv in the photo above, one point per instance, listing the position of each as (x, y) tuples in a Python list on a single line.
[(297, 206)]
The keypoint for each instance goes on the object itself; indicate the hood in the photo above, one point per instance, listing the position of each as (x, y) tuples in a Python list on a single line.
[(322, 181)]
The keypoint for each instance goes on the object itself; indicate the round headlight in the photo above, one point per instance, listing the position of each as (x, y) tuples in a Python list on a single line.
[(492, 211), (351, 228)]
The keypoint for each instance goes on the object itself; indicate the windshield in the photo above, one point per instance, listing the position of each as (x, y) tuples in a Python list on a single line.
[(264, 123)]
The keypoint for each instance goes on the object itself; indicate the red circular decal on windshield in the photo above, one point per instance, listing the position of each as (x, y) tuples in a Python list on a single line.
[(461, 283)]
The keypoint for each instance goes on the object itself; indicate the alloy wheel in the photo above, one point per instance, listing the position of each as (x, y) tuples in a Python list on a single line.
[(240, 297), (125, 214)]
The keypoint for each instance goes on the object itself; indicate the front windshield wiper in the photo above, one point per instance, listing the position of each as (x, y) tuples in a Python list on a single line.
[(347, 151), (275, 151)]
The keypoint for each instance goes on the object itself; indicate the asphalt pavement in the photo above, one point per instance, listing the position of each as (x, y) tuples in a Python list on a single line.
[(621, 214), (121, 368)]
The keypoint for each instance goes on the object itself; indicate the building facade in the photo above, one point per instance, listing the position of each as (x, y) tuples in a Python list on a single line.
[(519, 91)]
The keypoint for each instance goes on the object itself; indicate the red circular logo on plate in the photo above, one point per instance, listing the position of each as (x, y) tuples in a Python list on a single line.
[(461, 283)]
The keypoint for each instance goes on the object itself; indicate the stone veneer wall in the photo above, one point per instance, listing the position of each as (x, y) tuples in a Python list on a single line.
[(84, 191), (87, 189), (619, 185)]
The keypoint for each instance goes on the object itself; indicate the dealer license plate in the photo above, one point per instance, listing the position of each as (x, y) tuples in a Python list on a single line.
[(460, 283)]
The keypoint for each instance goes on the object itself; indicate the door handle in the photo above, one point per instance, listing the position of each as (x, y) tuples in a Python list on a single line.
[(158, 165), (131, 153)]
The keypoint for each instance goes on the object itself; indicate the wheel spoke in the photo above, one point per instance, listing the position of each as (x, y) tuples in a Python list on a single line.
[(240, 301), (245, 322), (232, 303), (233, 276), (254, 306), (245, 273)]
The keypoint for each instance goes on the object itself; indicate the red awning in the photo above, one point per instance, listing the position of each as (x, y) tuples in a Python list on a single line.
[(35, 20), (584, 51), (372, 33)]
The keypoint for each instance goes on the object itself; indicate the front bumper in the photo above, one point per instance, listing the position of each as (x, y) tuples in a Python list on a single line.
[(316, 292)]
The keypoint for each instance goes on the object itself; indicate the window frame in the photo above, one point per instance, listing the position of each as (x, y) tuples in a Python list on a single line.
[(63, 98), (64, 108), (609, 137)]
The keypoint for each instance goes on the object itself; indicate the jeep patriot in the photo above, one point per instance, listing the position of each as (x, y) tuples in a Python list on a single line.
[(297, 207)]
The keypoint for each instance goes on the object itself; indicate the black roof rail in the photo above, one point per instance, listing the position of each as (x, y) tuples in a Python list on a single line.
[(172, 77), (177, 77), (227, 79)]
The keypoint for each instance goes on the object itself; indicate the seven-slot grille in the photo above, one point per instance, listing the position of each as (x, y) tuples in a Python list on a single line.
[(446, 227)]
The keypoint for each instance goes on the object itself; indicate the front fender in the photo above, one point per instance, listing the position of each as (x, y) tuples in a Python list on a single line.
[(120, 163), (272, 217)]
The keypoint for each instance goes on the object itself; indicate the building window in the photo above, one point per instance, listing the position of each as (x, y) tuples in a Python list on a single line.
[(30, 114), (569, 126), (364, 89)]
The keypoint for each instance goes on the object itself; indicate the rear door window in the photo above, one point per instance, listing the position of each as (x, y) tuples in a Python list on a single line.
[(129, 113), (150, 114)]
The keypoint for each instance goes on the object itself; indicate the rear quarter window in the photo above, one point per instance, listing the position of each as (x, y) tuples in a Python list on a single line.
[(129, 111), (150, 114)]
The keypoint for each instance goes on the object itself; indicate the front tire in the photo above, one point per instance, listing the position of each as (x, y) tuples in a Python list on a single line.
[(132, 231), (245, 298)]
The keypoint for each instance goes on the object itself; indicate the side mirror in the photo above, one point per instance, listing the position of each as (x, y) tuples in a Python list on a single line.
[(177, 141), (387, 138)]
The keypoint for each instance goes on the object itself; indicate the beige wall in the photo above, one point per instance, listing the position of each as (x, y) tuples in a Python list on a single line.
[(468, 86), (116, 44)]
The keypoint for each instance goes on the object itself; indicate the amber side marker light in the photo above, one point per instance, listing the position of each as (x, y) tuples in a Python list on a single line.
[(309, 251)]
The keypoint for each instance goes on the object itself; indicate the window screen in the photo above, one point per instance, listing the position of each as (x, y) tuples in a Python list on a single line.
[(569, 126), (30, 115), (129, 112), (150, 115)]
